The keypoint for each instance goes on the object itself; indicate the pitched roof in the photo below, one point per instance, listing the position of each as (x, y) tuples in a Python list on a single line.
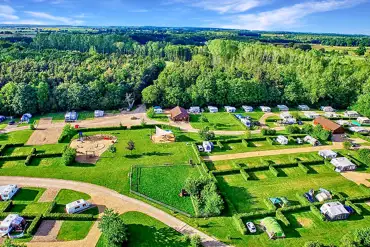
[(178, 111), (327, 124)]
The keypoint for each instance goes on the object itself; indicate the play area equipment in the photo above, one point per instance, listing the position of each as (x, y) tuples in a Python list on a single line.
[(163, 136), (90, 148)]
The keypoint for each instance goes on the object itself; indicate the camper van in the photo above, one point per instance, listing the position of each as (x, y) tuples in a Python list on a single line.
[(12, 222), (8, 191), (77, 206)]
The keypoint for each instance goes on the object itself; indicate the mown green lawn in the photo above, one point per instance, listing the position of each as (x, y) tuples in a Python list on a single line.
[(165, 183), (28, 194), (247, 196), (145, 231), (15, 137), (112, 169), (65, 196), (74, 230), (161, 117), (216, 121)]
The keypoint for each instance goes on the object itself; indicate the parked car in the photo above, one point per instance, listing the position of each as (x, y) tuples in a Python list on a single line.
[(12, 122), (251, 227), (299, 122), (355, 145), (200, 148)]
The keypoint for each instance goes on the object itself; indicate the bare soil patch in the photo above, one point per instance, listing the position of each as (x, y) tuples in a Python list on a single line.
[(46, 133), (91, 148), (305, 222), (48, 231)]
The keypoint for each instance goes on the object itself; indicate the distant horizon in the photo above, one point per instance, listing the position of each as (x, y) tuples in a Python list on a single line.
[(305, 16), (187, 27)]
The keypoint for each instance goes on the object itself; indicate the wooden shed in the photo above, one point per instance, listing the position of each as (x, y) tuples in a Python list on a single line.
[(329, 125), (179, 114)]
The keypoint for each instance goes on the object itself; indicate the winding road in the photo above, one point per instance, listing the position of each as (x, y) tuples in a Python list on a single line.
[(104, 197)]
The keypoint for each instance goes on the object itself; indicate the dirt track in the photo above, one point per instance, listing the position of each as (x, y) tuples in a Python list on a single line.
[(111, 199), (46, 133)]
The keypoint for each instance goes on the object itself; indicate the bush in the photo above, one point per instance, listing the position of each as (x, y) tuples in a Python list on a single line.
[(274, 171), (69, 156), (150, 112), (112, 149), (347, 145), (280, 216), (206, 134), (317, 212), (307, 129), (67, 133), (293, 129), (34, 225), (268, 132), (240, 224), (195, 241)]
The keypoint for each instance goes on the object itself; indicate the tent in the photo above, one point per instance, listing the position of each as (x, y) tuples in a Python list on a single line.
[(323, 195), (12, 222), (331, 115), (358, 130), (161, 136), (311, 114), (334, 211), (311, 140), (157, 110), (26, 117), (77, 206), (280, 201), (8, 191), (272, 228), (2, 118)]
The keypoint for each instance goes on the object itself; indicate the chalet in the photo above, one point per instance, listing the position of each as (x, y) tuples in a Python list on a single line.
[(329, 125), (179, 114)]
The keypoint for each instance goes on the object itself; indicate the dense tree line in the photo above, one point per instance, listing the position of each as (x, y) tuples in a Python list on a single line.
[(237, 73)]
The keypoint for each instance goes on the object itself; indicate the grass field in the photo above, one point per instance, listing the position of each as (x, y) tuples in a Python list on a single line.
[(165, 183), (74, 230), (15, 137), (216, 121), (28, 194), (145, 231), (246, 196)]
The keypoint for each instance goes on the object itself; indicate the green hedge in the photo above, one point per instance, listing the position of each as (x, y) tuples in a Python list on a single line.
[(15, 157), (338, 195), (295, 208), (280, 216), (3, 148), (205, 167), (240, 224), (355, 207), (317, 212), (269, 204), (245, 143), (302, 200), (219, 144), (270, 141), (6, 206), (274, 171), (64, 216), (30, 156), (303, 168), (359, 198), (226, 172), (32, 229), (196, 151), (102, 129), (258, 214), (67, 134), (213, 177), (256, 139), (245, 175), (50, 208), (48, 155)]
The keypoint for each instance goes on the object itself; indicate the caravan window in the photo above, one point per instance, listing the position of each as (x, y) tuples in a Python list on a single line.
[(83, 205), (77, 207)]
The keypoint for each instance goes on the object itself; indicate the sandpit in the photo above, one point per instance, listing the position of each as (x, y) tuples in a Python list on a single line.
[(91, 148)]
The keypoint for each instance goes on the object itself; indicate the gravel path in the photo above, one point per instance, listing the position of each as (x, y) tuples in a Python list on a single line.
[(49, 195), (336, 145), (358, 177), (111, 199), (47, 231)]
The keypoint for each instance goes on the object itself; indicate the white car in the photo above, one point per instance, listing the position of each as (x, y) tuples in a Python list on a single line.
[(251, 227), (200, 148)]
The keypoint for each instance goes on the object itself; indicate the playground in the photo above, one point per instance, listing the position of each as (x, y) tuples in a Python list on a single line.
[(90, 148)]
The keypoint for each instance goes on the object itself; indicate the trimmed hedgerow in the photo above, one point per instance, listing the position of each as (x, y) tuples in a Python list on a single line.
[(30, 156), (245, 175), (77, 217), (269, 204), (274, 171), (280, 216), (303, 167), (240, 224), (317, 212), (69, 156), (355, 207), (67, 134), (31, 230)]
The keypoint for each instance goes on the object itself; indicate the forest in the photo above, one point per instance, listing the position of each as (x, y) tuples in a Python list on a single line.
[(65, 71)]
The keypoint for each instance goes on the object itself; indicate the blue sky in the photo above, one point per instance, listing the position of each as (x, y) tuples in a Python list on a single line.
[(334, 16)]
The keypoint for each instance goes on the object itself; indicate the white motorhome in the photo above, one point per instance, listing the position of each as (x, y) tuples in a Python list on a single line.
[(247, 108), (77, 206), (12, 222), (8, 191), (265, 108), (212, 109), (194, 109), (282, 140), (230, 109)]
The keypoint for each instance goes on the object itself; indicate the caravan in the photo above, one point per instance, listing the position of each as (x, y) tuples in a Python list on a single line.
[(12, 222), (8, 191), (77, 206)]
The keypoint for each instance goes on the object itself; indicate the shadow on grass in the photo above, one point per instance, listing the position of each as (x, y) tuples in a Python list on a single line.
[(311, 170), (184, 138), (136, 156), (17, 208), (26, 195)]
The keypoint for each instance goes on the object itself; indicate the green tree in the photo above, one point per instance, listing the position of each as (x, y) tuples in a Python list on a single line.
[(361, 50), (43, 97), (113, 228), (347, 145), (130, 146), (69, 156), (206, 134), (314, 244), (150, 112)]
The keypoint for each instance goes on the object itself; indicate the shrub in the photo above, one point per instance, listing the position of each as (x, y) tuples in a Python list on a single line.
[(204, 119), (240, 224), (206, 134), (364, 155), (280, 216), (69, 156), (307, 128), (347, 145), (195, 241), (113, 228), (293, 129), (112, 149), (268, 132), (219, 144), (67, 133), (150, 112), (313, 244), (274, 171)]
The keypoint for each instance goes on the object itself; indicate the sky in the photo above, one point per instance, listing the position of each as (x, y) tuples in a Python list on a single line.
[(323, 16)]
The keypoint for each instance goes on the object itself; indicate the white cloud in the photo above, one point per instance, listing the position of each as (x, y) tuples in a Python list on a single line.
[(25, 22), (222, 6), (54, 19), (286, 17), (7, 13)]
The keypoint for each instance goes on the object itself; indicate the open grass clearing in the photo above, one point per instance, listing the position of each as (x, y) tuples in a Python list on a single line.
[(250, 195), (145, 231), (164, 184), (216, 121), (28, 194), (74, 230)]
